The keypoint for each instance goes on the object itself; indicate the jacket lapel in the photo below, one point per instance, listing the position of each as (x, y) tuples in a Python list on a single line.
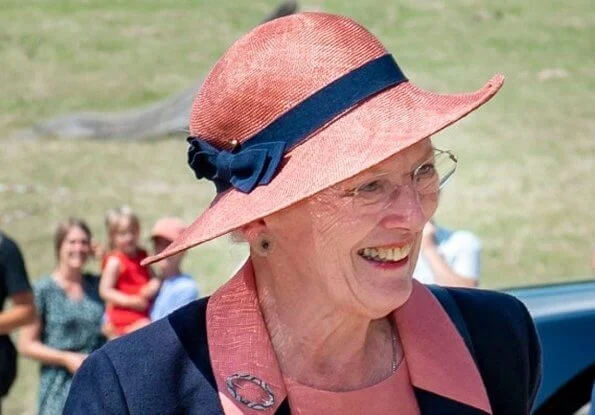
[(245, 367), (442, 371), (432, 403)]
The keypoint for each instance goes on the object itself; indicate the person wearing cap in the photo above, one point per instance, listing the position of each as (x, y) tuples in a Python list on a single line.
[(320, 152), (177, 288)]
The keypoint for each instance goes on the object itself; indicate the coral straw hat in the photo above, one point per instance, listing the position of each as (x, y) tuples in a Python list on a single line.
[(297, 105)]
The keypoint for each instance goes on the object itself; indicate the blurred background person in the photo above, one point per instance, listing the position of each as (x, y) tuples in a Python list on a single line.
[(448, 257), (126, 286), (177, 288), (69, 312), (14, 286)]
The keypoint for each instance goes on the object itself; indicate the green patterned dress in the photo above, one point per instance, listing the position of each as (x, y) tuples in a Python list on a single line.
[(73, 325)]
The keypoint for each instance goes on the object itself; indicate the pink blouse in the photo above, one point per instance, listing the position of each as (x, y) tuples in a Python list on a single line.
[(393, 395)]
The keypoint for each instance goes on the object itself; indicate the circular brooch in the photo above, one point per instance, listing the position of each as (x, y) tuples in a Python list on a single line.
[(265, 398)]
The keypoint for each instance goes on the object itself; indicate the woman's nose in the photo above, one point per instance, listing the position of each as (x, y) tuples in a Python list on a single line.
[(82, 247), (405, 210)]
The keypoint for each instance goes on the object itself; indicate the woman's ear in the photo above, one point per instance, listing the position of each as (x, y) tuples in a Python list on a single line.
[(252, 232)]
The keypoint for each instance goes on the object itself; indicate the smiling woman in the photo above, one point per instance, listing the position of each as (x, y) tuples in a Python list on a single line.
[(320, 151), (69, 313)]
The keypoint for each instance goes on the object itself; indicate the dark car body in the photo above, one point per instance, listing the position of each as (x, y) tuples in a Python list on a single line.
[(564, 315)]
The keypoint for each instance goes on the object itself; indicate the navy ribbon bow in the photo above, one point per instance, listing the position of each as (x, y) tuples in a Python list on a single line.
[(255, 161), (243, 170)]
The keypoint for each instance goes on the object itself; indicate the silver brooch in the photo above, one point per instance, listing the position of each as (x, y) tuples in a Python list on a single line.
[(234, 382)]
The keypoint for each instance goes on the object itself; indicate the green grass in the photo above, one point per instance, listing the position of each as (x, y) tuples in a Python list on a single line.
[(526, 177)]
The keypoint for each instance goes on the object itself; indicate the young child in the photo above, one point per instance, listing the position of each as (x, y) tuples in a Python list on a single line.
[(126, 286)]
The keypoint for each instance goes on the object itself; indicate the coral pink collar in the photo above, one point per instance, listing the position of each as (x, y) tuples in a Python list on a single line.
[(242, 354)]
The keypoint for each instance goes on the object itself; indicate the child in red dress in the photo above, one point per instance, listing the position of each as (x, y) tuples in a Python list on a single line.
[(126, 286)]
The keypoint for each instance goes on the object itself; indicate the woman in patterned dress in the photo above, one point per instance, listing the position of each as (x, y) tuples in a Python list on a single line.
[(69, 313)]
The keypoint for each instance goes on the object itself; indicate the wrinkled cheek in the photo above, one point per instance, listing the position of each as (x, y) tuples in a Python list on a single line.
[(336, 225), (327, 240), (414, 254), (336, 231), (336, 243), (429, 204)]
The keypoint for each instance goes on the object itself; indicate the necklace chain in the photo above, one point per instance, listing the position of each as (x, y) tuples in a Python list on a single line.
[(394, 359)]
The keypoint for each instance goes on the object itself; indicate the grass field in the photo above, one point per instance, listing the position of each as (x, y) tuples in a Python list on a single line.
[(526, 177)]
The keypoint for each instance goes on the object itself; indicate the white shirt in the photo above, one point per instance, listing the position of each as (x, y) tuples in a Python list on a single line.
[(461, 251)]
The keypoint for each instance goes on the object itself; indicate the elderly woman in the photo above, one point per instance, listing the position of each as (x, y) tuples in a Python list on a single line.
[(320, 152)]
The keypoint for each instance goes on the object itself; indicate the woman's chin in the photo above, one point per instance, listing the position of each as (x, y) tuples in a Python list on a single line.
[(383, 294), (76, 265)]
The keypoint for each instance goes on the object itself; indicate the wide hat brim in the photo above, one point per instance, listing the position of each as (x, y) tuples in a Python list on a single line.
[(366, 135)]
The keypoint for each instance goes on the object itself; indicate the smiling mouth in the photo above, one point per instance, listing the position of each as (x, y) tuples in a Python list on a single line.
[(385, 254)]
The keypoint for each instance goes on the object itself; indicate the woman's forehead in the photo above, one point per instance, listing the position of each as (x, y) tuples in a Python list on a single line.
[(404, 161), (76, 233)]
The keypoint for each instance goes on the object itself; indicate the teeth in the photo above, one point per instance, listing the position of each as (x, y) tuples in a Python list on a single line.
[(385, 254)]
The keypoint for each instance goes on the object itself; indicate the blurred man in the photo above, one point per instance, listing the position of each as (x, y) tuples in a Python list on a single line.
[(14, 285), (447, 257), (178, 288)]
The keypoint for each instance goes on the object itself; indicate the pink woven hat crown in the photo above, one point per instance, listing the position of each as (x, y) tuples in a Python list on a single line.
[(297, 105)]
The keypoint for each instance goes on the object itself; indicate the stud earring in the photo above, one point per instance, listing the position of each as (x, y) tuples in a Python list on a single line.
[(263, 247)]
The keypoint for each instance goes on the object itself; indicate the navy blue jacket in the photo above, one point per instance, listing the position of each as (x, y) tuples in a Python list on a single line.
[(165, 369)]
